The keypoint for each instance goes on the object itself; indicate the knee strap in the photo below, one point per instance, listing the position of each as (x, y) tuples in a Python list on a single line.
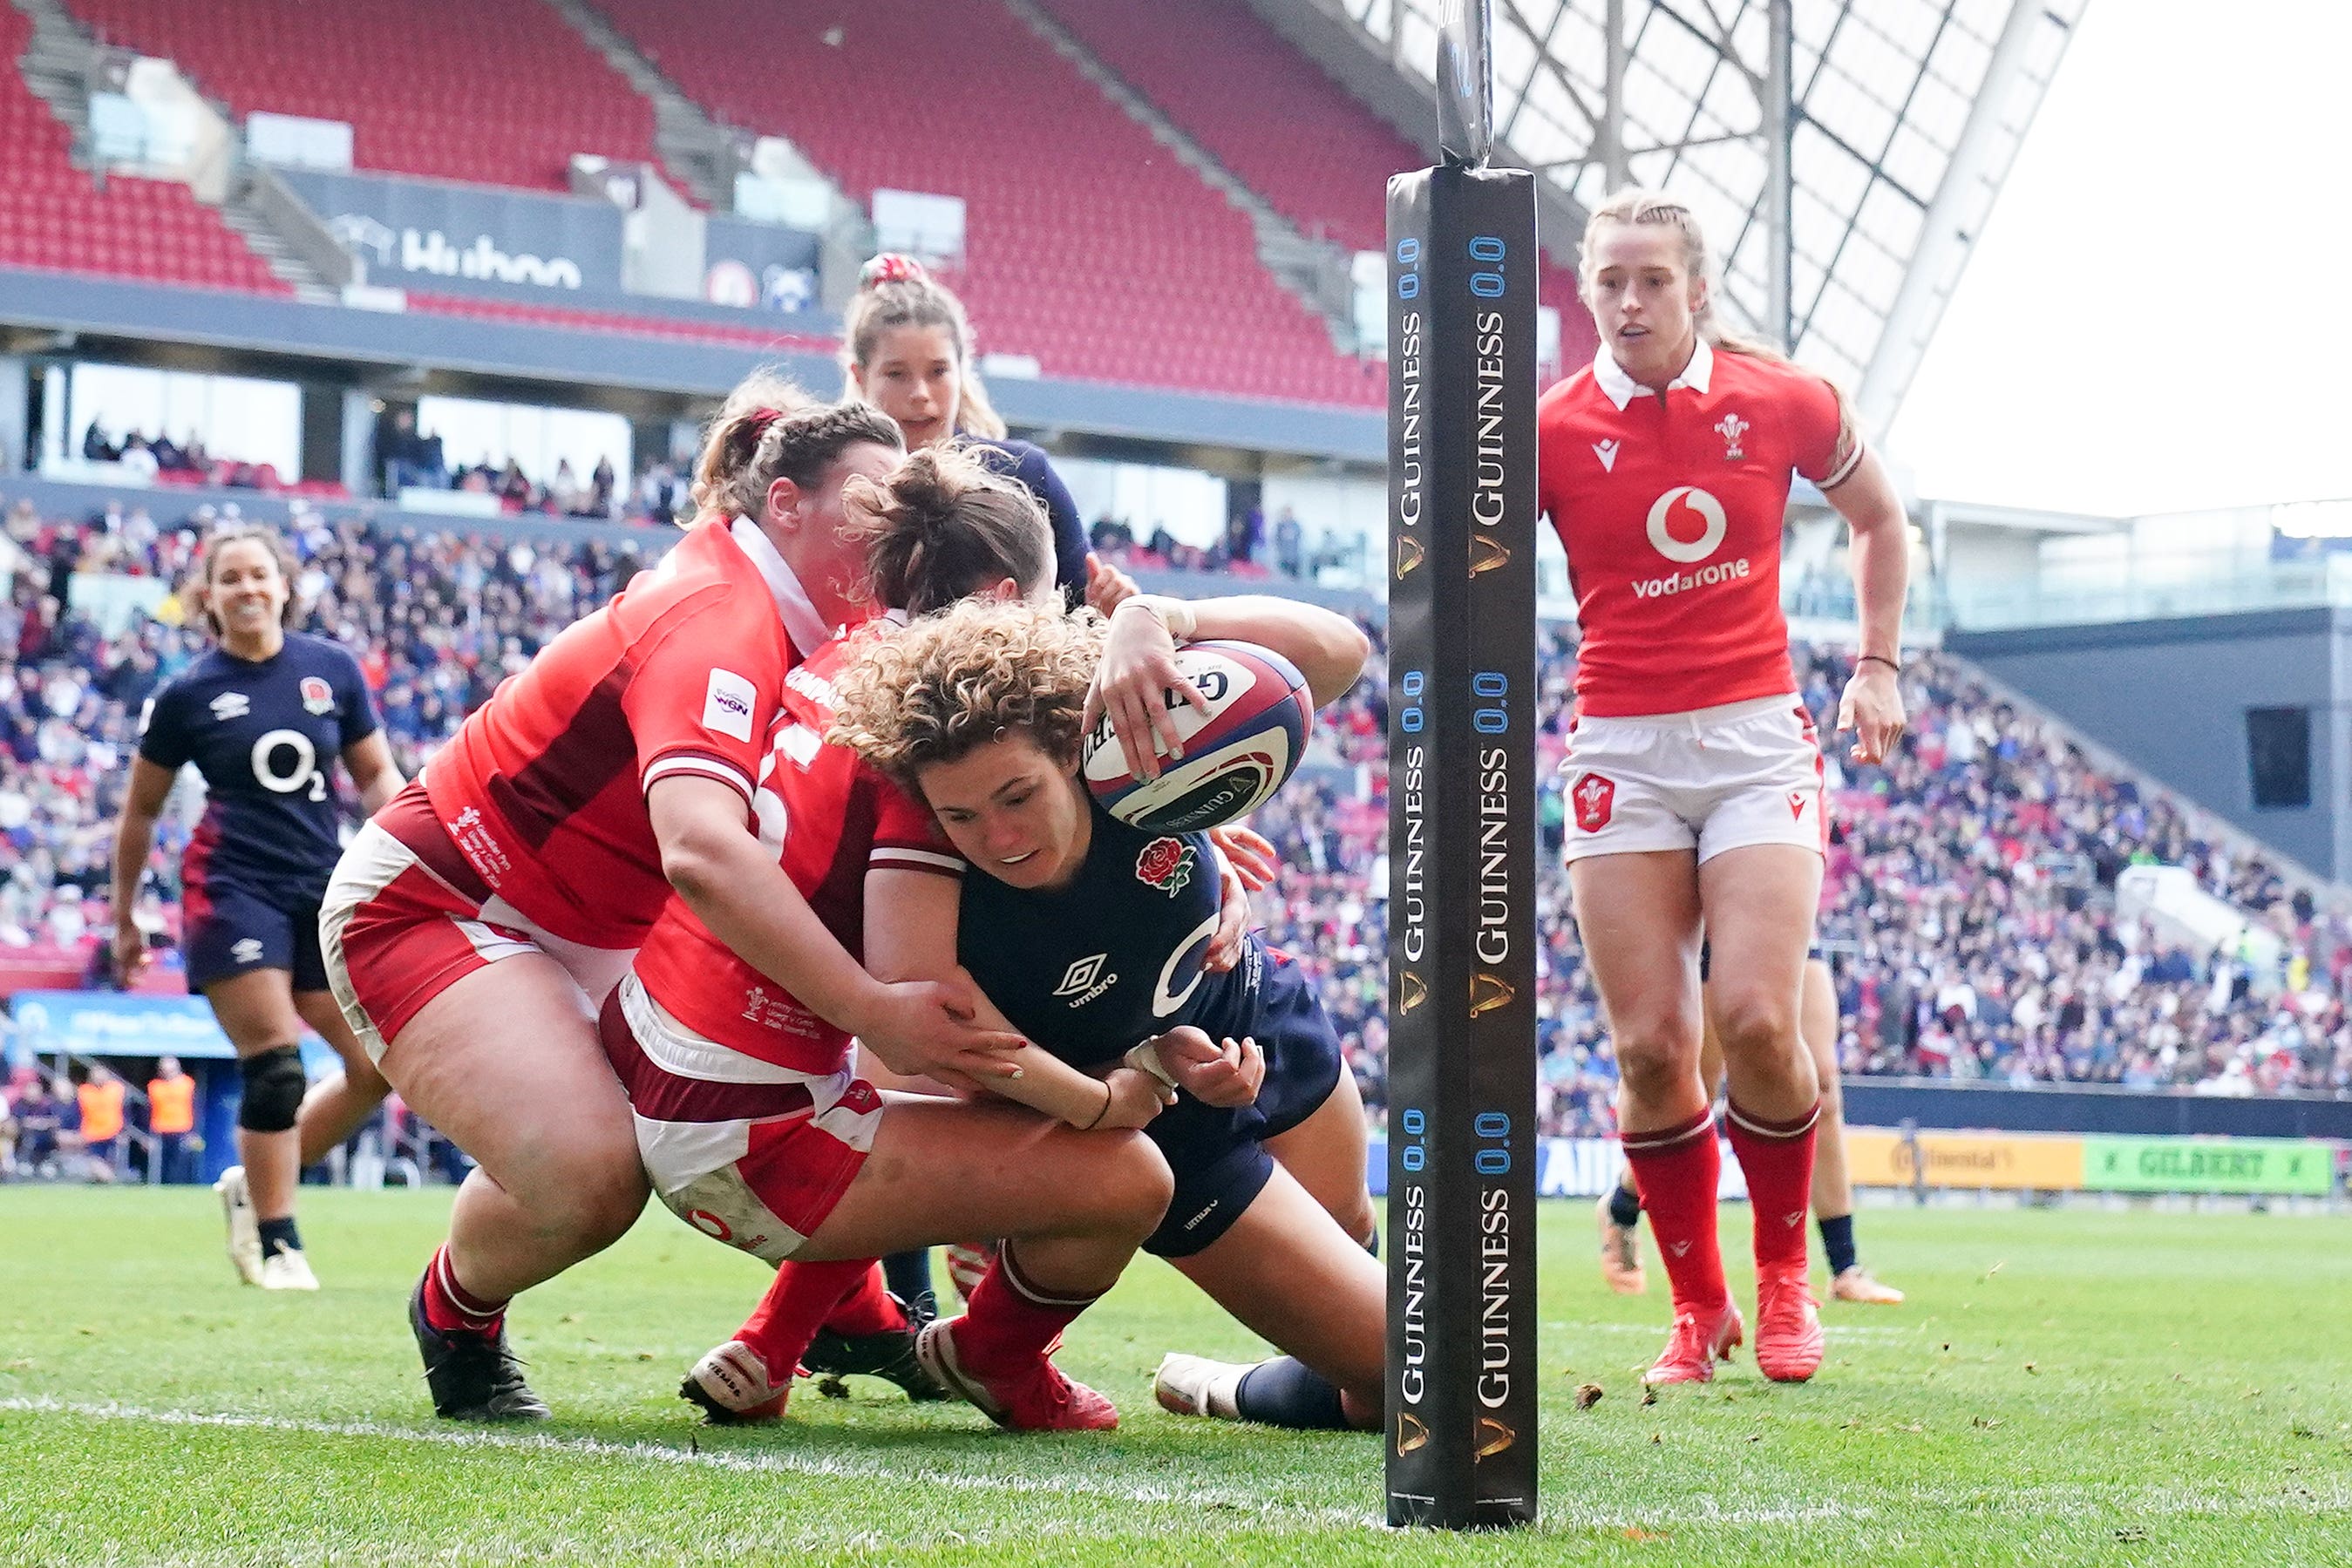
[(273, 1086)]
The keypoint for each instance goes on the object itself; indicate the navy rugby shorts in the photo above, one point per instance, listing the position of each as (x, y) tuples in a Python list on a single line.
[(1219, 1157)]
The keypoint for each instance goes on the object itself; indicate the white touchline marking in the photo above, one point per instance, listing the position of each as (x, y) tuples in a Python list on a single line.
[(714, 1458), (1560, 1510)]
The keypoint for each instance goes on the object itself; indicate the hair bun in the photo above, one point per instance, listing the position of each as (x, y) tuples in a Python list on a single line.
[(891, 267)]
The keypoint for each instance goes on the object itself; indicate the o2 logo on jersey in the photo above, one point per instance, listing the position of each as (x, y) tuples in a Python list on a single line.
[(1188, 956), (303, 775), (317, 696), (1687, 552)]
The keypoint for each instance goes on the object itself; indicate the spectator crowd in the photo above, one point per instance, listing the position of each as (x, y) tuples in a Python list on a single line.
[(408, 458), (159, 459), (1970, 910)]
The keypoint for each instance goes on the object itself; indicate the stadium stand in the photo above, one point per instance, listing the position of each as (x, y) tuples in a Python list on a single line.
[(54, 216), (1149, 278), (500, 92), (1276, 122), (1969, 915), (765, 339)]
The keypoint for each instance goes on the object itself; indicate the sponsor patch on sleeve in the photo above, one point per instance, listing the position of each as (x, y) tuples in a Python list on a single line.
[(726, 706)]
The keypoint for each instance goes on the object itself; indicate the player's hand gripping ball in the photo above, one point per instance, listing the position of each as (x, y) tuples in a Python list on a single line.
[(1240, 742)]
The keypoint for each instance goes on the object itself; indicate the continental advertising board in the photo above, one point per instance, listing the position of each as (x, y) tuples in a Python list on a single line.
[(2007, 1162)]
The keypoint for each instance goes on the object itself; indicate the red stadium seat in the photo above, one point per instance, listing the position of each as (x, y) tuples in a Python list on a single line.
[(1088, 246), (53, 215), (499, 92), (1268, 114)]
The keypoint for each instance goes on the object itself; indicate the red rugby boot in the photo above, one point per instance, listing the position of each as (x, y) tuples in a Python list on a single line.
[(1037, 1399), (1694, 1347), (1788, 1337)]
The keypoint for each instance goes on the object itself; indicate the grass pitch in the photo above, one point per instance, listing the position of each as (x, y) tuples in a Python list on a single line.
[(2064, 1387)]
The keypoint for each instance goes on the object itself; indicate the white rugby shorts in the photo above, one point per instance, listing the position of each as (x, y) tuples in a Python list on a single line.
[(747, 1152), (1712, 779)]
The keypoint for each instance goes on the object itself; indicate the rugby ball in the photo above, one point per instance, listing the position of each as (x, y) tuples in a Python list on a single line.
[(1236, 755)]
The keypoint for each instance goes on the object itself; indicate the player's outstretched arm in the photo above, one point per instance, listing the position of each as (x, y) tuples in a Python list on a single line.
[(910, 935), (735, 886), (1138, 661)]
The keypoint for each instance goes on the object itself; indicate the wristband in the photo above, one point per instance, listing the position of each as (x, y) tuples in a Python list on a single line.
[(1878, 659), (1145, 1058), (1175, 616), (1108, 1098)]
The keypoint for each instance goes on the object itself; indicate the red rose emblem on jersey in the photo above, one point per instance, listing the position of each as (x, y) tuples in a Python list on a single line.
[(1166, 864), (317, 696), (1592, 796)]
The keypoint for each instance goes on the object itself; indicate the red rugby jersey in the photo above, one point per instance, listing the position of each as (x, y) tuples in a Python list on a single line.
[(1670, 508), (830, 817), (544, 788)]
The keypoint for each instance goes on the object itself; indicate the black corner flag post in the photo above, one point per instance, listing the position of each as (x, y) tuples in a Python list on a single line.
[(1460, 1439)]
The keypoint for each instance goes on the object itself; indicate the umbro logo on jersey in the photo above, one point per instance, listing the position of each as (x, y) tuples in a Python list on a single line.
[(1084, 980), (1607, 452), (246, 950), (231, 705)]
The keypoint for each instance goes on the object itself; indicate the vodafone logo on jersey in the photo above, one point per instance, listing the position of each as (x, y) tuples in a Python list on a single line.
[(1671, 517), (1709, 511)]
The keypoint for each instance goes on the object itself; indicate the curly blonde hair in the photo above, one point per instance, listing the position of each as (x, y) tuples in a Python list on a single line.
[(975, 673)]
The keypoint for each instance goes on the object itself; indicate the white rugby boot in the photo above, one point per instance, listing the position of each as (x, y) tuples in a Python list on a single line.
[(288, 1270), (1195, 1386), (244, 1229)]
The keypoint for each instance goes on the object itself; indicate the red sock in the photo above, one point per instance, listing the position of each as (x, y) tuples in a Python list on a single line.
[(800, 1298), (1778, 1158), (867, 1309), (1675, 1169), (450, 1307), (1011, 1321)]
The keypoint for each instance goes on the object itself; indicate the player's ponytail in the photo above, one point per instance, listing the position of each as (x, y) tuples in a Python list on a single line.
[(944, 525), (199, 591), (896, 291), (768, 430)]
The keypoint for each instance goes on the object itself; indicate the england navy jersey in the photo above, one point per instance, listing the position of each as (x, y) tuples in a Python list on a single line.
[(1113, 958), (266, 736)]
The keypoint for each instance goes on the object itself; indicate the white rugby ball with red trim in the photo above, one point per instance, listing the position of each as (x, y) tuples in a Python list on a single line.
[(1236, 754)]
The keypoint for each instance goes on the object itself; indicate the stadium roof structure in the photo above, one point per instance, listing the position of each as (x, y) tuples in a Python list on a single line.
[(1903, 117)]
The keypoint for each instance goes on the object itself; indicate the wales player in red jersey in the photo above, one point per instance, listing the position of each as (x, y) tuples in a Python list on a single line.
[(751, 1120), (474, 927), (1693, 769)]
